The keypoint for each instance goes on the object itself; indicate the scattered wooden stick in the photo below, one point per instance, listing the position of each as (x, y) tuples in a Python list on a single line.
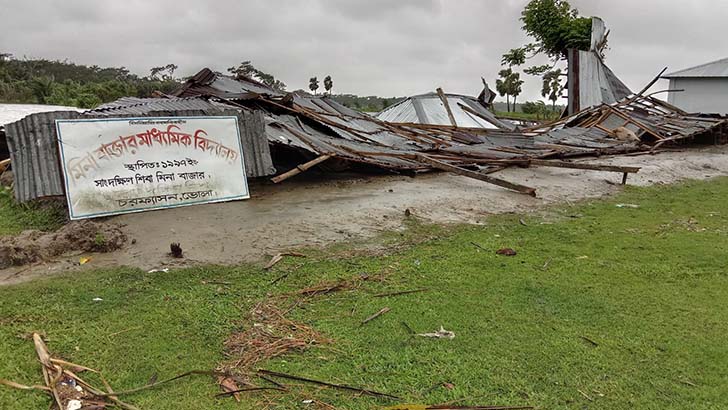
[(300, 168), (585, 395), (450, 407), (376, 315), (476, 175), (216, 282), (248, 389), (589, 340), (478, 246), (332, 385), (4, 164), (402, 292), (279, 257)]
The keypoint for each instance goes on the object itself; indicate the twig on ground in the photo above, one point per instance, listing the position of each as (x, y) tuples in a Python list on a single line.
[(585, 395), (376, 315), (589, 340), (279, 257), (403, 292), (327, 384)]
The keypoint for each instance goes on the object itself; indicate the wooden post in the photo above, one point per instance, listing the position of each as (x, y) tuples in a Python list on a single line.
[(624, 178), (443, 98), (476, 175), (300, 168)]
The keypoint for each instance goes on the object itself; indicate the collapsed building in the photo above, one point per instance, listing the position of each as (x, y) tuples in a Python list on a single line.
[(284, 134)]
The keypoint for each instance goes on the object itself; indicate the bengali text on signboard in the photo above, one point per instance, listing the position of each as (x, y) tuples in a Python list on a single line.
[(121, 165)]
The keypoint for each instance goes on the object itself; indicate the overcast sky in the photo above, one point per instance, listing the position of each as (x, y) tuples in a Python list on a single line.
[(369, 47)]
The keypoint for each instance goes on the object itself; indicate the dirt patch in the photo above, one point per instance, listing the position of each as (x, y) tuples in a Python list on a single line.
[(312, 211), (33, 246), (6, 178)]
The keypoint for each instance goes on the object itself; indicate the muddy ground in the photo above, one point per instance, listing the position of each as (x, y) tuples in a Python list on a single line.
[(316, 211)]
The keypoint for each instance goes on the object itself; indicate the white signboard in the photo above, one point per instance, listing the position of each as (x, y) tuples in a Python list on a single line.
[(119, 165)]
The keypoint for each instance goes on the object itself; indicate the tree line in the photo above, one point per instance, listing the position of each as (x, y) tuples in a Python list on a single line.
[(43, 81)]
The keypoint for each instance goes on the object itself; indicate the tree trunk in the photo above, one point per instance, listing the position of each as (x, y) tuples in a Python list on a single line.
[(508, 103), (514, 103)]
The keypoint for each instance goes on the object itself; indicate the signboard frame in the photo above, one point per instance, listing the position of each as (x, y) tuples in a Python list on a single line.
[(65, 174)]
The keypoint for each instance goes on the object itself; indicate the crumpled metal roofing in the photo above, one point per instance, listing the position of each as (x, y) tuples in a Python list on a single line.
[(213, 83), (429, 109), (140, 106), (33, 140), (15, 112), (718, 68)]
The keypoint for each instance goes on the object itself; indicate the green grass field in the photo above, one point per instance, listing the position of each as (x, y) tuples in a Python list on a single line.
[(15, 218), (603, 307)]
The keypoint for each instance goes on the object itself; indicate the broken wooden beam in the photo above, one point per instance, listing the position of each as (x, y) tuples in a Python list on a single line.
[(476, 175), (300, 168), (443, 98), (4, 164), (579, 165)]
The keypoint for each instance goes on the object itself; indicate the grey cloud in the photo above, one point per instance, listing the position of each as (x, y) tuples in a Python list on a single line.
[(379, 47)]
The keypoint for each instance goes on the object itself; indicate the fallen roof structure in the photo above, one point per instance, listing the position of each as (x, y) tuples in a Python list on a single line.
[(320, 131), (590, 82), (439, 108)]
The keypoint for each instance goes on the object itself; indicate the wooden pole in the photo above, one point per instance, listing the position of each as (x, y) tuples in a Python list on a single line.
[(441, 94), (476, 175), (300, 168)]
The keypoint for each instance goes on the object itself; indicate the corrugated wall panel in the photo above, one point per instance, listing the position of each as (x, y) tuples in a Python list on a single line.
[(34, 154), (34, 148)]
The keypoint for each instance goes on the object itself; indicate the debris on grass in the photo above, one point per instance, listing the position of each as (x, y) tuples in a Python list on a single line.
[(440, 334), (590, 341), (506, 252), (270, 335), (402, 292), (634, 206), (376, 315), (279, 257), (67, 390), (359, 390), (453, 407)]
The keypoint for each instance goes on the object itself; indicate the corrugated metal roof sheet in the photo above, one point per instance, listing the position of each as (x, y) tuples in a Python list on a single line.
[(209, 82), (718, 68), (429, 109), (141, 106), (15, 112)]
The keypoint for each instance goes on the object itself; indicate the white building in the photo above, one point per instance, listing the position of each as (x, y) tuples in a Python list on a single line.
[(706, 88)]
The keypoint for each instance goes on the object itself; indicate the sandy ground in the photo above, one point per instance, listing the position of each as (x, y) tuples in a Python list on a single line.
[(311, 211)]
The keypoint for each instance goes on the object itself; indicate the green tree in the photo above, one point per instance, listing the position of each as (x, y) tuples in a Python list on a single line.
[(246, 70), (509, 85), (552, 87), (556, 27), (515, 87), (514, 57), (501, 86), (328, 84), (313, 84), (42, 88)]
